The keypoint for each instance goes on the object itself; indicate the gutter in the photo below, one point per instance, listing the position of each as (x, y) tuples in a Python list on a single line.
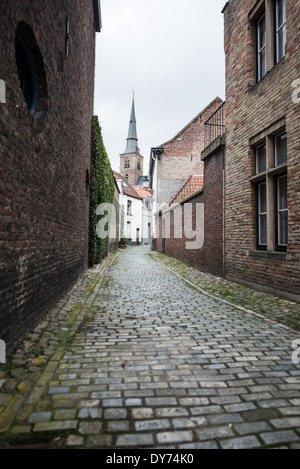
[(97, 15)]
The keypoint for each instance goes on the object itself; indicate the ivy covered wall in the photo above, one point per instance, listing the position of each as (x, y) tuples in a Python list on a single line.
[(101, 191)]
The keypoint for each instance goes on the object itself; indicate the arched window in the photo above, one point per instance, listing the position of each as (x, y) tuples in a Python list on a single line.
[(31, 71), (127, 164)]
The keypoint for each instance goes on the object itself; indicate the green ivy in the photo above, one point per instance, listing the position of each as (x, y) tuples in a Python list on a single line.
[(101, 191)]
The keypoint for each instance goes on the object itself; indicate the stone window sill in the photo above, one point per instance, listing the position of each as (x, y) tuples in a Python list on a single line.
[(281, 256)]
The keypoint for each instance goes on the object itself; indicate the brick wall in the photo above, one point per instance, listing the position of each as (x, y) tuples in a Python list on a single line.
[(210, 257), (251, 109), (45, 162), (182, 155), (133, 171)]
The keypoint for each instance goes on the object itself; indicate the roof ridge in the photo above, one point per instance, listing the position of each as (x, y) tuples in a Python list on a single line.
[(184, 186), (217, 98), (180, 189)]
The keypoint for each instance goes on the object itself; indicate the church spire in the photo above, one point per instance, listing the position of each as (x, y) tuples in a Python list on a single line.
[(132, 140)]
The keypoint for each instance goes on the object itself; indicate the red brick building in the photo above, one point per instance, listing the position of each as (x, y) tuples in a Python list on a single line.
[(204, 250), (190, 226), (47, 63), (175, 160), (262, 221)]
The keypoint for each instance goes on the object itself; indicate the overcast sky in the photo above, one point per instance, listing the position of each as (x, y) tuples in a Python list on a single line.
[(172, 53)]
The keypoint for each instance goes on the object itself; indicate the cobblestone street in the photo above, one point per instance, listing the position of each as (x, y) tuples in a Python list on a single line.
[(136, 357)]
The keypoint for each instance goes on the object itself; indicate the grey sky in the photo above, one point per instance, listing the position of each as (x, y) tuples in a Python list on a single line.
[(172, 53)]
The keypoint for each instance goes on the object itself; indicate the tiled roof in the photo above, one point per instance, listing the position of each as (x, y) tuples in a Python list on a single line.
[(127, 188), (193, 184), (143, 191)]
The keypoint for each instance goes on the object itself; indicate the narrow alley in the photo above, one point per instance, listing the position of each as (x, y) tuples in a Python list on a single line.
[(151, 362)]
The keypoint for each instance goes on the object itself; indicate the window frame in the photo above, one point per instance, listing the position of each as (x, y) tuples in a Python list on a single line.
[(270, 177), (26, 73), (260, 245), (276, 164), (257, 158), (129, 207), (278, 29), (263, 49), (128, 233), (279, 245)]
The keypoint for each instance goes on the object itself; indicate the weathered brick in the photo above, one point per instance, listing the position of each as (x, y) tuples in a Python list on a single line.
[(45, 163)]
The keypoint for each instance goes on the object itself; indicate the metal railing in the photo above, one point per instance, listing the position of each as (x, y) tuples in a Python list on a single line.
[(214, 126)]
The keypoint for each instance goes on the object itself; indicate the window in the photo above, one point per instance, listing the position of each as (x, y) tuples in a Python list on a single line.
[(31, 72), (128, 207), (262, 214), (147, 203), (128, 230), (282, 212), (138, 165), (26, 73), (270, 180), (261, 158), (280, 149), (261, 48), (280, 29), (269, 23), (127, 164), (126, 177)]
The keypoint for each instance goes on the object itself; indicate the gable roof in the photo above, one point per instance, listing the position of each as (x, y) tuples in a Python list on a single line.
[(216, 100), (191, 186), (127, 188)]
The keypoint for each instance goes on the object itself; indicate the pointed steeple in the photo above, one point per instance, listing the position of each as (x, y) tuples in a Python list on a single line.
[(132, 140)]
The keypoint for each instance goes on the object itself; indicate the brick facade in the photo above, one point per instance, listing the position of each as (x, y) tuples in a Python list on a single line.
[(209, 257), (181, 155), (131, 165), (257, 110), (45, 158)]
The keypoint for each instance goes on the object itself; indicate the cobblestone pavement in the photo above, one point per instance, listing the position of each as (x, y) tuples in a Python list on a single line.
[(135, 357)]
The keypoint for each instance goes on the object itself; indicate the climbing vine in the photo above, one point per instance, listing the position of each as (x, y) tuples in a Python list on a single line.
[(101, 191)]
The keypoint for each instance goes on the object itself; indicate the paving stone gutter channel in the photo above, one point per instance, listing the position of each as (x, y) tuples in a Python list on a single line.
[(104, 369), (283, 312)]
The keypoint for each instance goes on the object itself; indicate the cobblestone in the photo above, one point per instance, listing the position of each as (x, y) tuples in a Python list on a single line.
[(143, 358)]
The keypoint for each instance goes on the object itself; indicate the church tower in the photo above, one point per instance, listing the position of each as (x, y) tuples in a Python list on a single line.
[(131, 161)]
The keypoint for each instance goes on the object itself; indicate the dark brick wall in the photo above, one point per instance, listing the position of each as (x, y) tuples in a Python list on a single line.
[(44, 164), (252, 108), (210, 257)]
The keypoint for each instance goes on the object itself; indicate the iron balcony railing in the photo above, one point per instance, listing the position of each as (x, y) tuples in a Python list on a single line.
[(214, 126)]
